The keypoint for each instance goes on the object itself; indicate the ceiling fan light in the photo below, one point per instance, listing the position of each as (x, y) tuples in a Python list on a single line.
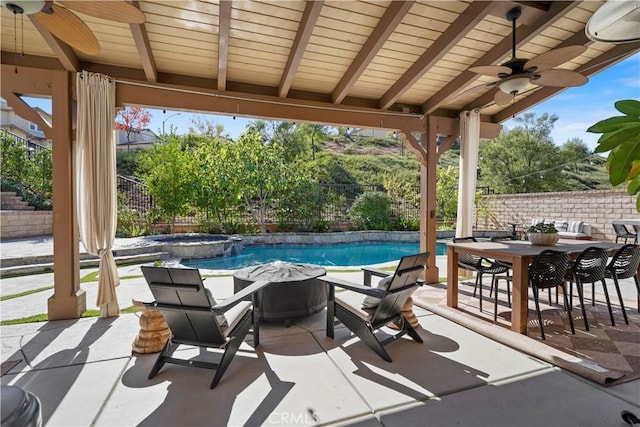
[(28, 7), (515, 85)]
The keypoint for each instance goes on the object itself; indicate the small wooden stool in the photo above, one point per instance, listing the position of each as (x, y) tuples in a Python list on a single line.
[(407, 312), (154, 331), (409, 315)]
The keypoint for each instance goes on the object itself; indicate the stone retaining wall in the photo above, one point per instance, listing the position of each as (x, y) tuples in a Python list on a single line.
[(16, 224), (597, 207), (330, 238)]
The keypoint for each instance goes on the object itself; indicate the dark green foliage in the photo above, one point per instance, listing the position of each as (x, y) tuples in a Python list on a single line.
[(27, 172), (300, 208), (128, 162), (168, 171), (133, 223), (525, 160), (371, 211)]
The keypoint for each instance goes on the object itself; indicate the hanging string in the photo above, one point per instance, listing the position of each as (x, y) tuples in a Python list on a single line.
[(543, 171), (15, 41), (22, 35)]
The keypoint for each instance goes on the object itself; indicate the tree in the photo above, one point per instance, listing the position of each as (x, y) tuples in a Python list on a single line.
[(447, 192), (574, 150), (312, 134), (204, 127), (259, 171), (168, 170), (524, 159), (132, 119), (216, 189)]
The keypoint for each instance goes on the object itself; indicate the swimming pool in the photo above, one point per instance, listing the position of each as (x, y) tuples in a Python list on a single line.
[(344, 255)]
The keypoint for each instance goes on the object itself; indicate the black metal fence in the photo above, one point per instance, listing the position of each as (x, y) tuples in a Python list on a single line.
[(136, 194), (337, 199), (29, 146)]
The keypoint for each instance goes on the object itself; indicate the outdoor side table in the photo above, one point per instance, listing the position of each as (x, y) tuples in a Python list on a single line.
[(294, 291)]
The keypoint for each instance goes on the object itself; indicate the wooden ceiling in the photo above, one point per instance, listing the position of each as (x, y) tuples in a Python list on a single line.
[(409, 56)]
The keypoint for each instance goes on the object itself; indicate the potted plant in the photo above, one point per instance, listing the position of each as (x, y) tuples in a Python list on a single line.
[(543, 234)]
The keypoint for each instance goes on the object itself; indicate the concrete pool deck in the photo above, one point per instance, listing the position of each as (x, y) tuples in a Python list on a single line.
[(84, 373), (32, 255)]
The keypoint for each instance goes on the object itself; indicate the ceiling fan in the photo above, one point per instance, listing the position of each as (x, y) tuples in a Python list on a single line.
[(60, 21), (515, 74)]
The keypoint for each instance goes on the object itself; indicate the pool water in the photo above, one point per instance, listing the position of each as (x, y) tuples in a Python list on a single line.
[(344, 255)]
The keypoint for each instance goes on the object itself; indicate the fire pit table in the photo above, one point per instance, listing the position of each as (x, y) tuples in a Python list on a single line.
[(294, 291)]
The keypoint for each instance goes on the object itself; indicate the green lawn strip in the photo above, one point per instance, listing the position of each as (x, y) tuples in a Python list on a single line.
[(91, 277), (43, 317), (25, 293)]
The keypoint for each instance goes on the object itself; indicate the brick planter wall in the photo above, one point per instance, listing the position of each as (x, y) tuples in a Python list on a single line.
[(597, 207), (16, 224)]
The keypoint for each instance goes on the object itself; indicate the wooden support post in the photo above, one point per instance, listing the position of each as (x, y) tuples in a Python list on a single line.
[(428, 197), (68, 300)]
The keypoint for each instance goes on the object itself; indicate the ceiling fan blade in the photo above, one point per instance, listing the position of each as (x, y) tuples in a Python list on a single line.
[(490, 70), (502, 98), (554, 57), (560, 78), (118, 11), (69, 28)]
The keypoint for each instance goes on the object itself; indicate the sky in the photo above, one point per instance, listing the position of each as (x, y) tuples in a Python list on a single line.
[(577, 108)]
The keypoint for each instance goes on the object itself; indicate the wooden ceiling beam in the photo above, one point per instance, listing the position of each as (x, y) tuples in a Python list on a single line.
[(27, 81), (386, 26), (272, 108), (31, 61), (63, 51), (135, 74), (612, 56), (305, 29), (141, 40), (224, 23), (464, 23), (523, 34), (579, 38)]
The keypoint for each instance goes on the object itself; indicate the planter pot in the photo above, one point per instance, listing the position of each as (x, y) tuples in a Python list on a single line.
[(543, 239)]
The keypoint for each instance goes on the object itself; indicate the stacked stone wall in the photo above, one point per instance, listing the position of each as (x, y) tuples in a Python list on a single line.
[(16, 224), (596, 207)]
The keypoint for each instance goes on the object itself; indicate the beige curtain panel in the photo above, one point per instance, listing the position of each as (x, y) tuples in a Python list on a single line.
[(469, 145), (96, 180)]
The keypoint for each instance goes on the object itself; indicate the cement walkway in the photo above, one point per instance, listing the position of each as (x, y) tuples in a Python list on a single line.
[(84, 373)]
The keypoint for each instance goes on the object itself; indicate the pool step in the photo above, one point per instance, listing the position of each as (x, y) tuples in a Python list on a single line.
[(46, 265)]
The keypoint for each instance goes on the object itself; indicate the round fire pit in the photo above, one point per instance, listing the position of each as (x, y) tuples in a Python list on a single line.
[(294, 291)]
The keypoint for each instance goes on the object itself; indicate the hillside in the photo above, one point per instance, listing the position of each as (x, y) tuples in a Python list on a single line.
[(589, 174)]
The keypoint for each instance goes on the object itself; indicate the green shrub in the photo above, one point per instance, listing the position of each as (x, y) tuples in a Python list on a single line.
[(27, 173), (40, 202), (132, 223), (371, 211), (300, 207), (408, 224)]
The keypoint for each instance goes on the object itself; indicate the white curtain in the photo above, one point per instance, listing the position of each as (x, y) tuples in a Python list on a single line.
[(96, 180), (469, 143)]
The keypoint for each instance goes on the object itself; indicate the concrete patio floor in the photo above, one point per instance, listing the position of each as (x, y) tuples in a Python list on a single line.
[(85, 374)]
